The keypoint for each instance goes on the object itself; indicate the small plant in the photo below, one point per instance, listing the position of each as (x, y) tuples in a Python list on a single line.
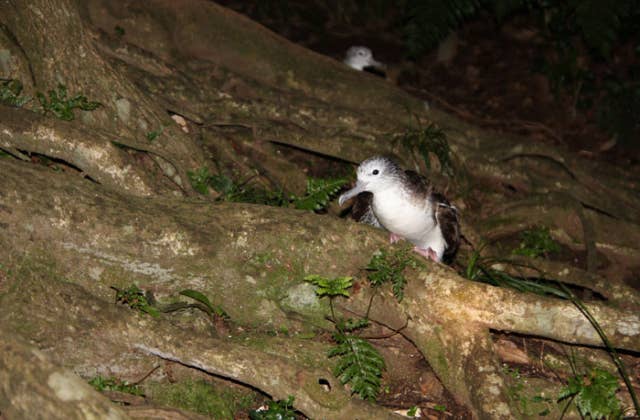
[(200, 179), (319, 193), (113, 384), (537, 242), (388, 267), (136, 299), (331, 288), (594, 394), (276, 410), (152, 135), (204, 304), (481, 269), (214, 312), (10, 90), (359, 363), (430, 140), (317, 196), (62, 107)]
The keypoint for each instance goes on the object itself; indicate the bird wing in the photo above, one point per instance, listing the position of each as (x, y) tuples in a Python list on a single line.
[(418, 184), (362, 211), (446, 216)]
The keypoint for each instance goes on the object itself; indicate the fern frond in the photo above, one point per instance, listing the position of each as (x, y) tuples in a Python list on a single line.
[(319, 193), (360, 365), (338, 286)]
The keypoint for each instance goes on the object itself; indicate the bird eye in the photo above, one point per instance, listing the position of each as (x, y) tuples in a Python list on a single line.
[(375, 172)]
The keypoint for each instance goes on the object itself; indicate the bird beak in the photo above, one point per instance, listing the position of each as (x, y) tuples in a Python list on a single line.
[(360, 187), (376, 64)]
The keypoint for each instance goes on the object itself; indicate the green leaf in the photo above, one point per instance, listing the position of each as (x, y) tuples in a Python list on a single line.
[(212, 309), (338, 286), (113, 384), (135, 299), (596, 396), (200, 179), (59, 105), (10, 91), (319, 193), (388, 267), (359, 364)]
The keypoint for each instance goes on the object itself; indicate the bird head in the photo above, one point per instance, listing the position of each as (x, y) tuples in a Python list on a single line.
[(374, 175), (361, 57)]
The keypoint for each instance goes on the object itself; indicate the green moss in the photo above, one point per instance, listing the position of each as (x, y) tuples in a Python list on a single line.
[(202, 397)]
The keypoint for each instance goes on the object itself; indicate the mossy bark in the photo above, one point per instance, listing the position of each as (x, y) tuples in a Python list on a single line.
[(251, 101)]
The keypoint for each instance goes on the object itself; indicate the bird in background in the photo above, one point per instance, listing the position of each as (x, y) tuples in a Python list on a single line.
[(405, 204), (361, 58)]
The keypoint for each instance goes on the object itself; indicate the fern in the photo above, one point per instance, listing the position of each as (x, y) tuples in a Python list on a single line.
[(359, 362), (388, 267), (430, 140), (338, 286), (10, 91), (595, 397), (319, 193), (137, 299), (61, 106), (360, 365)]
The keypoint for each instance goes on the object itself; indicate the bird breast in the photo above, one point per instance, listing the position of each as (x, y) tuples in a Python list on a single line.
[(411, 219)]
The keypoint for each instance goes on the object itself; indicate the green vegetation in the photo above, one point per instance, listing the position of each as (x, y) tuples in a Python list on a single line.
[(317, 196), (319, 193), (359, 363), (331, 288), (10, 91), (113, 384), (479, 269), (202, 303), (136, 299), (594, 395), (430, 140), (202, 397), (152, 135), (142, 301), (62, 107), (482, 269), (388, 267), (537, 242), (276, 410)]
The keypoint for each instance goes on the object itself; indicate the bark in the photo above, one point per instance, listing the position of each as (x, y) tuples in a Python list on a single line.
[(254, 103)]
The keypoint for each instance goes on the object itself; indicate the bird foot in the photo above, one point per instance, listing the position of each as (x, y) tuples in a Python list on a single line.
[(427, 253), (393, 238)]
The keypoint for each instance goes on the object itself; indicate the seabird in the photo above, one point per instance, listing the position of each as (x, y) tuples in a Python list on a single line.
[(405, 204), (361, 58)]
